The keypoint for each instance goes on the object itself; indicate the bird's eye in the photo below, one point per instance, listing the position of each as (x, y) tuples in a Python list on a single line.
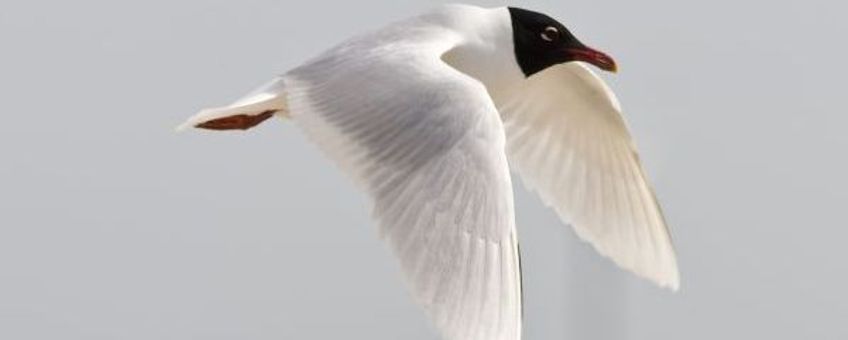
[(550, 34)]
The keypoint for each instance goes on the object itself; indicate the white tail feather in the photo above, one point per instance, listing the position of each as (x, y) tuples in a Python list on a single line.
[(267, 98)]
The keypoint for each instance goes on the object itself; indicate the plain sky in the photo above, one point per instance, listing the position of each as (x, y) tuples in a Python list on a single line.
[(112, 226)]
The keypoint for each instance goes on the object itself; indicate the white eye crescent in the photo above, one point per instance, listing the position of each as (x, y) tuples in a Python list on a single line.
[(550, 34)]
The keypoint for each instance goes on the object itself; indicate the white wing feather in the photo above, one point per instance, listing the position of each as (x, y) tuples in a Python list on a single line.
[(568, 141), (426, 143)]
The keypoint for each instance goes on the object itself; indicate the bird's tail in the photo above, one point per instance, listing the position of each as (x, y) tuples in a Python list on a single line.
[(245, 113)]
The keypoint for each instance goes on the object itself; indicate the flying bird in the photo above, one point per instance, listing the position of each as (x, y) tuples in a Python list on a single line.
[(428, 115)]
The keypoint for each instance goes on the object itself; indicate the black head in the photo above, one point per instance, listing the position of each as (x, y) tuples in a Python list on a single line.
[(541, 42)]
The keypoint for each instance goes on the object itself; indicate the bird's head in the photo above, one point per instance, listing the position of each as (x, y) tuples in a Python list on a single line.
[(541, 42)]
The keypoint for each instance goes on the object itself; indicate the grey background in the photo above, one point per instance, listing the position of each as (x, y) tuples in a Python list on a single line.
[(114, 227)]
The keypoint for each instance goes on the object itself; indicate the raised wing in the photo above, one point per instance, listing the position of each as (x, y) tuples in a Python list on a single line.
[(568, 141), (426, 143)]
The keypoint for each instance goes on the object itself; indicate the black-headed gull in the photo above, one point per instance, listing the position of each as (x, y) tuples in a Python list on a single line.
[(429, 114)]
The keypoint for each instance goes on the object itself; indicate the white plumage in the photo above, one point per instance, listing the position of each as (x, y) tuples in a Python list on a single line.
[(568, 142), (426, 114)]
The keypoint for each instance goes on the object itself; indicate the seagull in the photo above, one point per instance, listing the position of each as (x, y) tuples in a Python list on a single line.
[(428, 115)]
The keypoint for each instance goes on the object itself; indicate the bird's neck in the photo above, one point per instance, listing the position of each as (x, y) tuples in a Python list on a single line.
[(486, 52)]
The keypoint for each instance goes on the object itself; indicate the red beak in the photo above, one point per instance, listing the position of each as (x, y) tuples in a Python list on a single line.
[(594, 57)]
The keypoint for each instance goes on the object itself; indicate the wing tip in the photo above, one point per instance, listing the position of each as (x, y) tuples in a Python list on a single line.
[(664, 273), (672, 283), (668, 278)]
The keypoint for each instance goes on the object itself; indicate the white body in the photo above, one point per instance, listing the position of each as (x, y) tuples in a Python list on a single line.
[(428, 115)]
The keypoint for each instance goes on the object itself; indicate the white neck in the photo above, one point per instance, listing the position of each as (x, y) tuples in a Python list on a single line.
[(487, 52)]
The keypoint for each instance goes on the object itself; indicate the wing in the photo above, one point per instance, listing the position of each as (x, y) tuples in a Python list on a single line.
[(567, 140), (427, 145)]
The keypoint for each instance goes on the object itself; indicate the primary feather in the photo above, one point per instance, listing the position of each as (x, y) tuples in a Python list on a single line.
[(567, 140)]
